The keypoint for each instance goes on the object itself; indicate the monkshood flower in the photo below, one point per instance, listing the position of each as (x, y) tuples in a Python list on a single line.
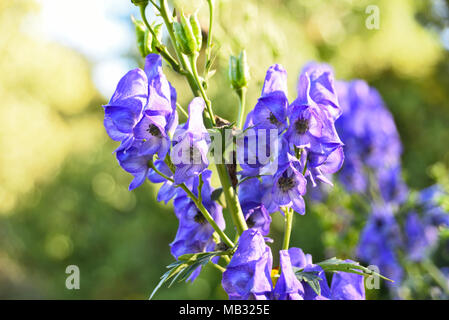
[(345, 286), (191, 145), (143, 107), (133, 162), (194, 232), (270, 111), (289, 185), (313, 113), (422, 230), (332, 164), (371, 141), (248, 274), (379, 241), (420, 238), (256, 215)]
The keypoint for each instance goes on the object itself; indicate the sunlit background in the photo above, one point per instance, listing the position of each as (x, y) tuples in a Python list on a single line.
[(63, 198)]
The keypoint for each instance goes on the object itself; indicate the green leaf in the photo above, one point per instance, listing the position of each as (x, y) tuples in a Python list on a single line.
[(215, 195), (335, 265), (186, 264), (311, 278)]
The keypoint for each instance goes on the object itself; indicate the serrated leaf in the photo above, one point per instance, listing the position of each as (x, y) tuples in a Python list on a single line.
[(186, 264), (311, 278), (334, 265)]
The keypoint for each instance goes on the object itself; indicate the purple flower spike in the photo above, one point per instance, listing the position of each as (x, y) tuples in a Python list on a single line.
[(248, 274)]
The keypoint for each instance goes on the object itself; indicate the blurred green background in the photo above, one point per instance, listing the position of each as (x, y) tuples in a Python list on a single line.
[(63, 197)]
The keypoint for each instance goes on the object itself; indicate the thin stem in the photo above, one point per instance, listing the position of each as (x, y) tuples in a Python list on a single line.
[(230, 195), (162, 50), (163, 10), (179, 107), (202, 91), (209, 34), (241, 93), (287, 228), (198, 204), (216, 266), (436, 274), (208, 216), (231, 199)]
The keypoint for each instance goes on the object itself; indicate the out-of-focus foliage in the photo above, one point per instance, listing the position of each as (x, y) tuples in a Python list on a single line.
[(64, 200)]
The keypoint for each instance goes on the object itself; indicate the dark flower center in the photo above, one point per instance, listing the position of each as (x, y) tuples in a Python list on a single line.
[(286, 183), (154, 130), (379, 223), (301, 126), (273, 119), (250, 222), (199, 218)]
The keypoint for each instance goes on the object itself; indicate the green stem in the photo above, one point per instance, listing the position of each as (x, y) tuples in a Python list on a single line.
[(209, 34), (162, 50), (231, 199), (436, 274), (199, 205), (198, 90), (216, 266), (179, 107), (288, 220), (241, 93), (202, 91), (163, 10)]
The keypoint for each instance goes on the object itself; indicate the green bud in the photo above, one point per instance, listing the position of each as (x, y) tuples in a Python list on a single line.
[(139, 3), (239, 71), (158, 31), (185, 37), (143, 37), (196, 28)]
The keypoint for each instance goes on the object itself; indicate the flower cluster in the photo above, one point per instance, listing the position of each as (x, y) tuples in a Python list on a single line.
[(309, 147), (372, 144), (250, 275), (142, 116), (373, 165)]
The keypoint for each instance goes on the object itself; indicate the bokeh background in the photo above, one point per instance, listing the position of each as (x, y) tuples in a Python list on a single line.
[(63, 197)]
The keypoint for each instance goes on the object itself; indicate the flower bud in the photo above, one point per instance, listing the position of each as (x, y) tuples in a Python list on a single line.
[(196, 28), (185, 37), (239, 71), (143, 37), (139, 3)]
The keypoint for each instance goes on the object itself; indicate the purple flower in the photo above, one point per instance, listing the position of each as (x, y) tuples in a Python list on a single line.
[(345, 286), (289, 186), (131, 161), (143, 108), (313, 113), (194, 232), (256, 215), (371, 141), (191, 144), (420, 237), (270, 111), (332, 164), (379, 242), (248, 274)]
